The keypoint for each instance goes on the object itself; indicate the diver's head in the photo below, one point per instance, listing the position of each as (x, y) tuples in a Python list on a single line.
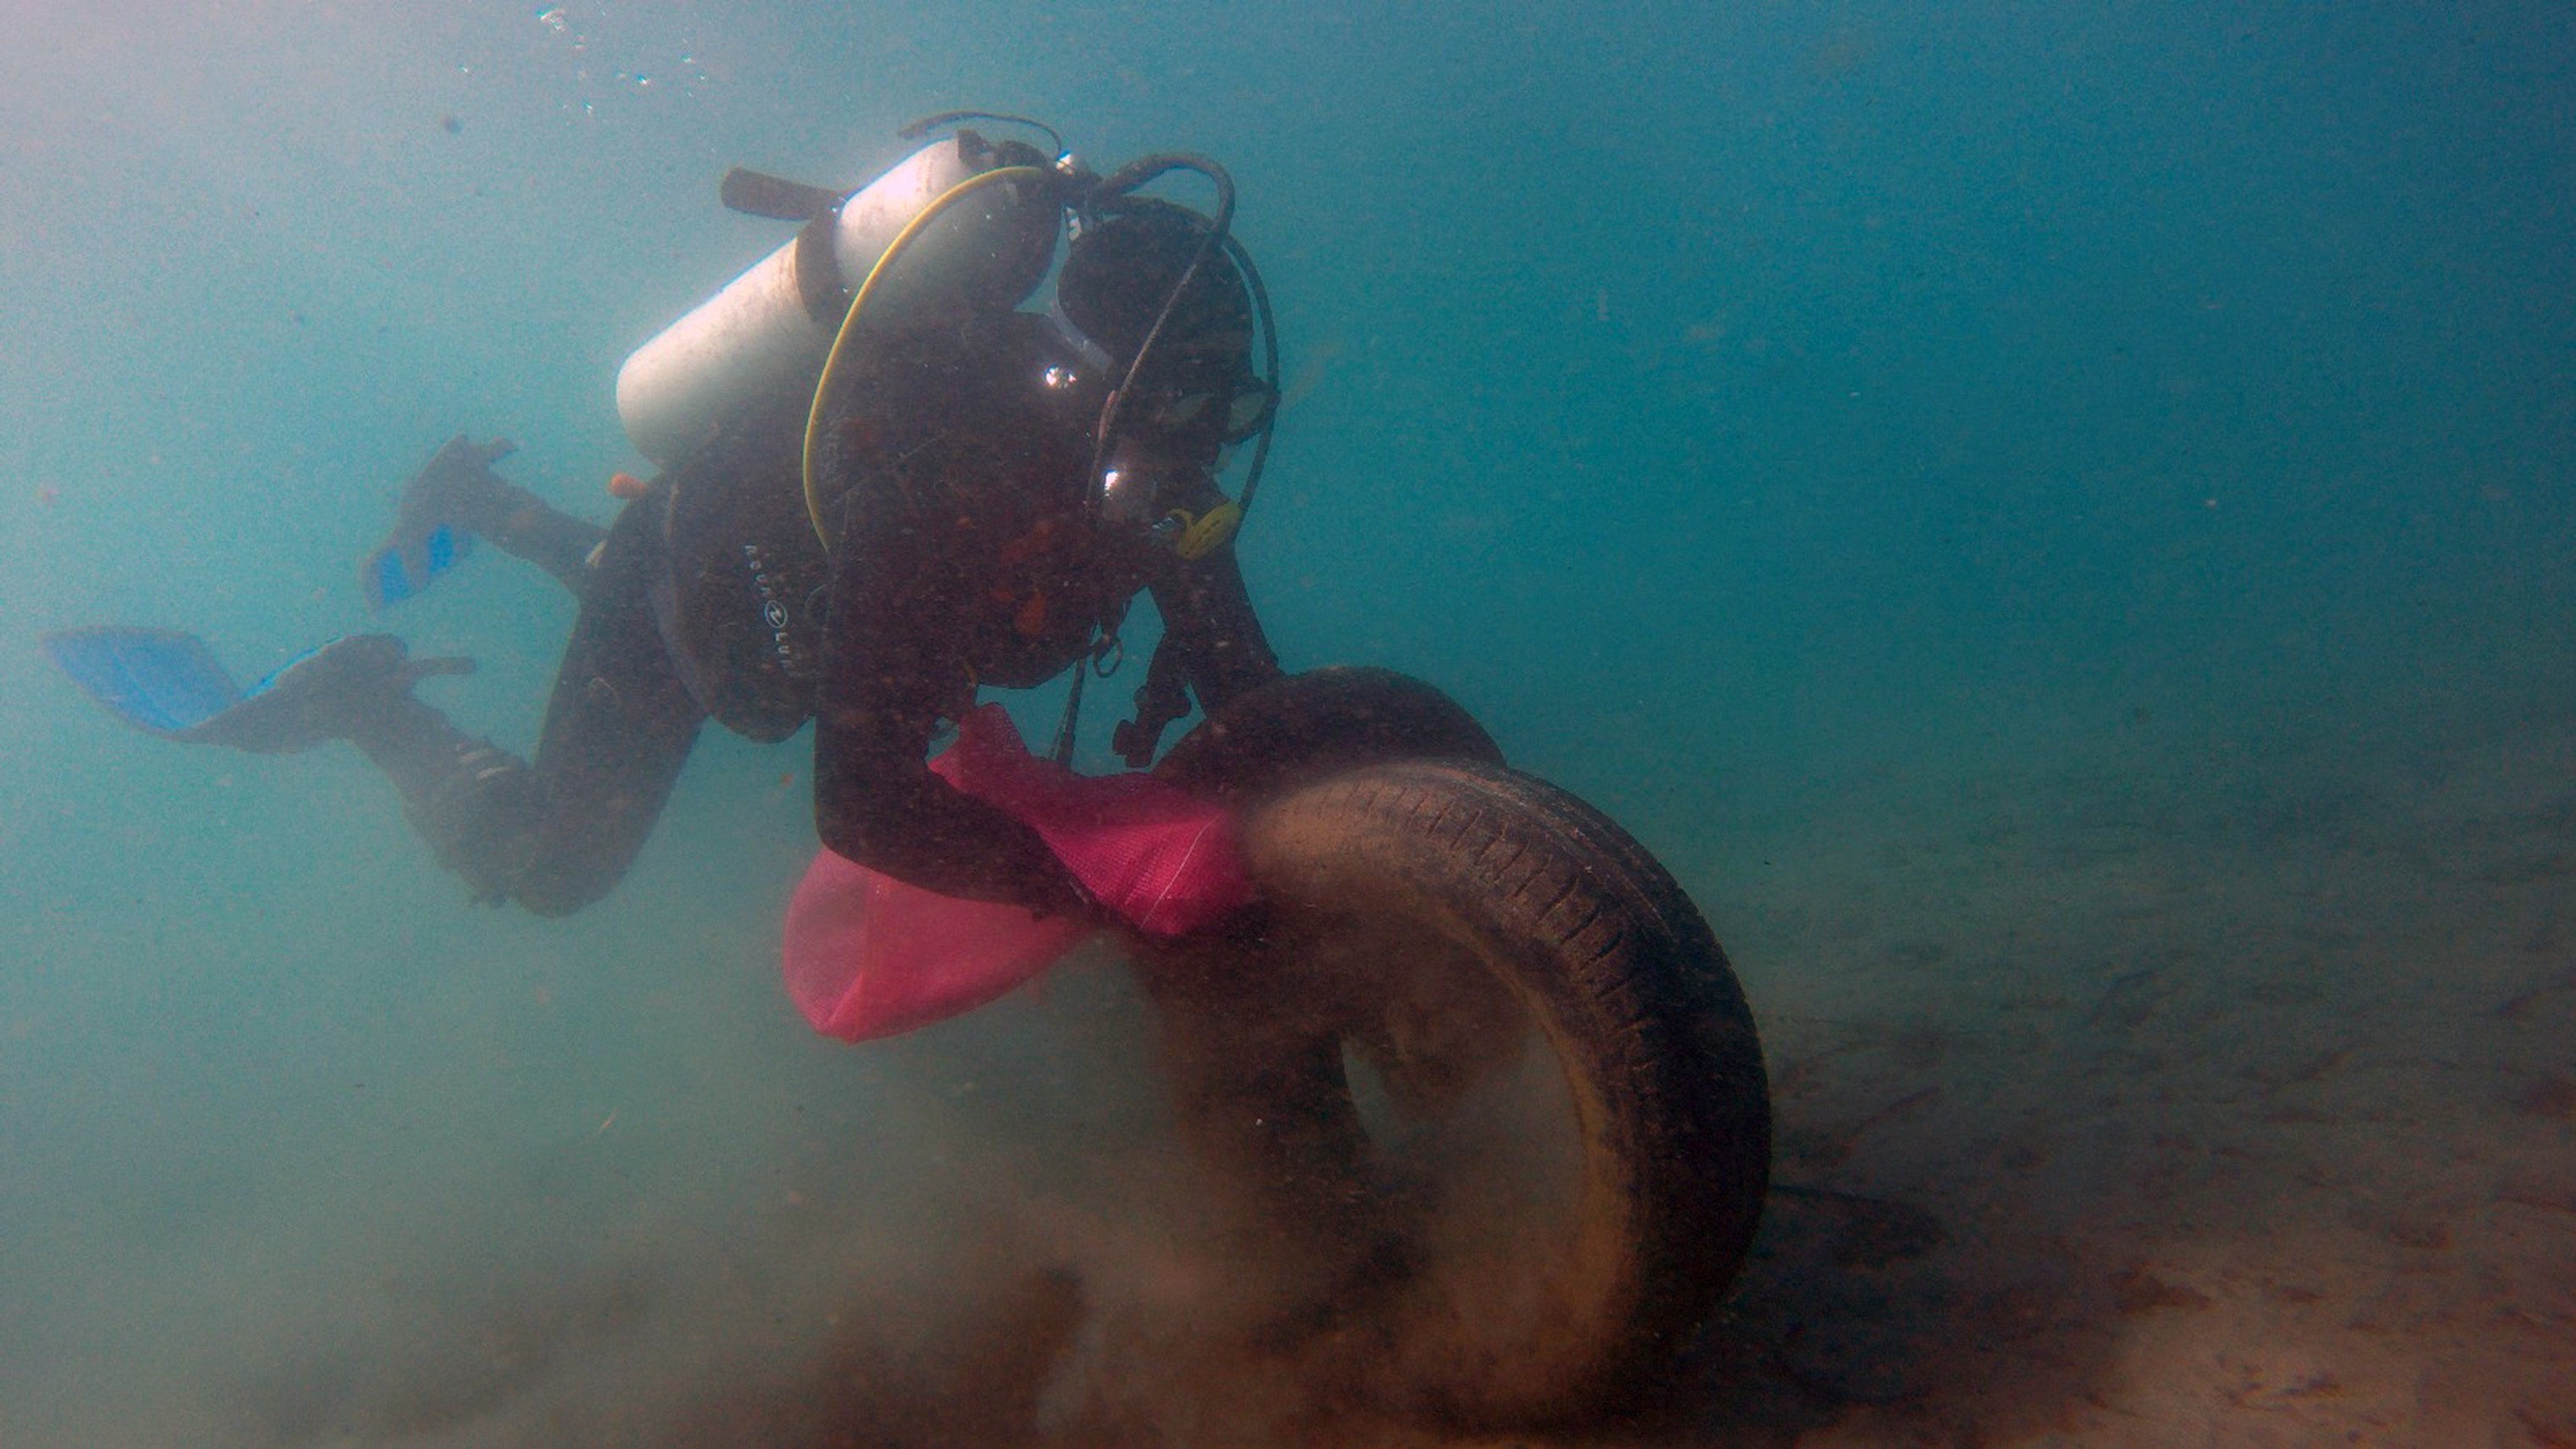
[(1196, 390)]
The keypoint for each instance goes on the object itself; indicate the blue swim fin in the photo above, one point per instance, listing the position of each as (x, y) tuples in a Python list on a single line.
[(409, 562), (453, 497), (170, 684), (160, 680)]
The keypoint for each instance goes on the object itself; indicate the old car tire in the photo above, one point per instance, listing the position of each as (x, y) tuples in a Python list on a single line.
[(1407, 906)]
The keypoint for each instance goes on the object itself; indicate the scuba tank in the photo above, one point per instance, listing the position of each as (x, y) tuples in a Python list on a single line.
[(766, 334)]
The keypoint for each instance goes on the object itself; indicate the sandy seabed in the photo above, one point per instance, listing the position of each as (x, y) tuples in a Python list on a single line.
[(2188, 1092), (2241, 1084)]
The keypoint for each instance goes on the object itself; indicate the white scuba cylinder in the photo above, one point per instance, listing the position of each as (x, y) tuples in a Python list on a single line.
[(758, 339)]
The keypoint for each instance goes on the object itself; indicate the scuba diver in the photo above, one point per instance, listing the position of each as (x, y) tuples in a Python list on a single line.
[(883, 480), (883, 483)]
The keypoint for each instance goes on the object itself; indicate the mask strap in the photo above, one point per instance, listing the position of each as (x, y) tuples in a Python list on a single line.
[(1092, 353)]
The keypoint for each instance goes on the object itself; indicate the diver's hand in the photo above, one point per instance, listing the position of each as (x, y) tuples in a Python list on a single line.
[(1070, 901)]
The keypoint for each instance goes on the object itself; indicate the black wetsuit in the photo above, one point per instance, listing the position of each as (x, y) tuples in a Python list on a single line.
[(952, 479)]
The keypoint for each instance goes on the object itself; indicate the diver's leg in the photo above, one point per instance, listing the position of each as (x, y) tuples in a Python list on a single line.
[(617, 729), (471, 802), (556, 836), (457, 491), (525, 526)]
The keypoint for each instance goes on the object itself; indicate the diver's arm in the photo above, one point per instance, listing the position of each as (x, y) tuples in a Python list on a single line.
[(889, 668), (1212, 647), (1208, 611)]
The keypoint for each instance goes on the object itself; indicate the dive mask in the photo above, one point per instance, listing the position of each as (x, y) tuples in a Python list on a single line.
[(1168, 499), (1185, 403), (1243, 407)]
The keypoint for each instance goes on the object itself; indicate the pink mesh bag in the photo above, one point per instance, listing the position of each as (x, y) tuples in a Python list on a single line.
[(865, 955)]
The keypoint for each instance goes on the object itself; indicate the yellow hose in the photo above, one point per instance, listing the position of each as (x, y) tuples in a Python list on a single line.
[(858, 304)]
